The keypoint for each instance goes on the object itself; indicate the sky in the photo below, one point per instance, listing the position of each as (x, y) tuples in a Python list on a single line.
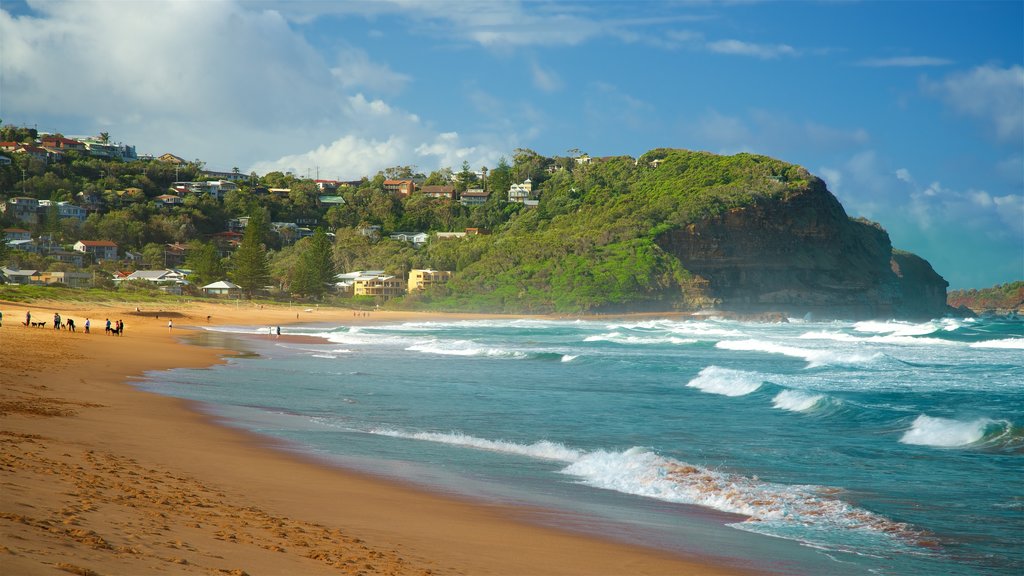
[(912, 112)]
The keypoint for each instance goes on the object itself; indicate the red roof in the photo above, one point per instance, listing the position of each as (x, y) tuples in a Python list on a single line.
[(98, 243), (15, 230)]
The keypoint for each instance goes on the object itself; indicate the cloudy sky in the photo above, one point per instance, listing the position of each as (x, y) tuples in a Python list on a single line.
[(912, 112)]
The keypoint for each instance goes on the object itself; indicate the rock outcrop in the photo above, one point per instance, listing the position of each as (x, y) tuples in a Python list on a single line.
[(801, 254)]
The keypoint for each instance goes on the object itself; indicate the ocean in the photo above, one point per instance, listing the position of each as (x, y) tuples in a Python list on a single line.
[(878, 447)]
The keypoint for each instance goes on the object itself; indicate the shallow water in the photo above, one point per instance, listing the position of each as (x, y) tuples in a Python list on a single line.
[(871, 447)]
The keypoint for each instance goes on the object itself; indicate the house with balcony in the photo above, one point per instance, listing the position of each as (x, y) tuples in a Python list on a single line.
[(71, 279), (400, 188), (422, 279), (519, 193), (22, 209), (474, 197), (167, 200), (62, 143), (98, 249), (383, 287)]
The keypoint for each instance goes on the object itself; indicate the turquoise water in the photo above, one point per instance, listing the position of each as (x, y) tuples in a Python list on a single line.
[(845, 448)]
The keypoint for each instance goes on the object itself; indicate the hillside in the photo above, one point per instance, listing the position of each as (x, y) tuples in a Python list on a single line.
[(680, 230), (1002, 298)]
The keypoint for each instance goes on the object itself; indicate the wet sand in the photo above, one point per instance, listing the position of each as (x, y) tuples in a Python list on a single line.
[(99, 477)]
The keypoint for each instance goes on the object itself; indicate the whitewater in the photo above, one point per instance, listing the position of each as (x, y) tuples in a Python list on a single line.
[(880, 447)]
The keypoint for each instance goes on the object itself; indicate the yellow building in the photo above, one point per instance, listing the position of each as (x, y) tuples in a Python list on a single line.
[(385, 287), (425, 278)]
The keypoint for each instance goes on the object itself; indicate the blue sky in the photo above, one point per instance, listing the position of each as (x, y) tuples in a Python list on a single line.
[(912, 112)]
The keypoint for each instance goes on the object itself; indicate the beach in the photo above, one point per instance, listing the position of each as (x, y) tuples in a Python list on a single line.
[(102, 478)]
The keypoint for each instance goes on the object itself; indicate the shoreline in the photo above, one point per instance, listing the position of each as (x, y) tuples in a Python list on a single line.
[(103, 476)]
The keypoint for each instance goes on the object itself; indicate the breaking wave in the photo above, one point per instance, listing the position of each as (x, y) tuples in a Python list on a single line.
[(814, 357), (949, 433), (1007, 343), (799, 401), (716, 380), (464, 348), (779, 509), (620, 338)]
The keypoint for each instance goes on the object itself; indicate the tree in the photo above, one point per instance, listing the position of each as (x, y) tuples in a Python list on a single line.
[(315, 266), (250, 268), (204, 261)]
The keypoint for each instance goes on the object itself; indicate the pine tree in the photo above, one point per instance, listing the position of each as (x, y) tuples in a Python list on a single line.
[(315, 268), (204, 261), (250, 268)]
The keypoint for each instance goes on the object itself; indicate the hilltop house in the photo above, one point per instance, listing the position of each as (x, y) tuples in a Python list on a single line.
[(400, 188), (98, 249), (474, 197), (439, 191), (22, 209), (17, 234), (520, 192), (417, 239)]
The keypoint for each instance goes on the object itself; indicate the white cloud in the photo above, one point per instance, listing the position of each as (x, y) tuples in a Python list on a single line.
[(179, 77), (905, 62), (355, 70), (741, 48), (990, 94), (545, 80)]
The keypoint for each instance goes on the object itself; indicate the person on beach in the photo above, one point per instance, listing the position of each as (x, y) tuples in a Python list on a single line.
[(1, 319), (71, 324), (56, 321), (170, 325), (86, 325), (108, 326), (28, 318), (278, 331)]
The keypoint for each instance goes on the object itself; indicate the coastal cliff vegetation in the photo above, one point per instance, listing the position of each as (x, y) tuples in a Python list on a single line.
[(672, 230)]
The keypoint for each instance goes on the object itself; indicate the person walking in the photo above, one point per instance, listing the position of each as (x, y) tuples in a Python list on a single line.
[(86, 325), (56, 321), (108, 326), (170, 325), (28, 318)]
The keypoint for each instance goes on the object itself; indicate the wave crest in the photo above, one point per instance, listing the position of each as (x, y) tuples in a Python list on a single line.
[(726, 382), (948, 433)]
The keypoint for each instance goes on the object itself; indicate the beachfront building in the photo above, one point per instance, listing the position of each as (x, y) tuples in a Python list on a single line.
[(98, 249), (422, 279), (383, 287), (222, 288), (71, 279), (16, 276)]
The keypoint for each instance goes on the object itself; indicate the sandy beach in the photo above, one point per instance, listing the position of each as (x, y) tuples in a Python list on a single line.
[(102, 478)]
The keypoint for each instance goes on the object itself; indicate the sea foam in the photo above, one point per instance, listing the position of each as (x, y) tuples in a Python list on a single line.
[(945, 432), (814, 357), (797, 400), (727, 382), (1005, 343)]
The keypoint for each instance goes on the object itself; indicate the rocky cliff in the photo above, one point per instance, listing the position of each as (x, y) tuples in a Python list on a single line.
[(800, 253)]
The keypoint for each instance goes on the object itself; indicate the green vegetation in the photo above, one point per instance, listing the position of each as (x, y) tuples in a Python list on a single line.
[(1009, 296), (592, 243)]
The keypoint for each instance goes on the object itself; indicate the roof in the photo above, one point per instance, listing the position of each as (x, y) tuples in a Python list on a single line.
[(15, 230), (222, 285), (12, 272), (98, 243)]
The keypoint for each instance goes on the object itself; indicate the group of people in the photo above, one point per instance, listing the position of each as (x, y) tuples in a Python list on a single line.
[(117, 328)]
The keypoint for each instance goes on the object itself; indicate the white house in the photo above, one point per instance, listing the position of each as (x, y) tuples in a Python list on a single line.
[(417, 239), (520, 192), (99, 249), (221, 288)]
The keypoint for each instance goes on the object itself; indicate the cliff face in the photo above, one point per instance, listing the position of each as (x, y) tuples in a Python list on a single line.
[(802, 254)]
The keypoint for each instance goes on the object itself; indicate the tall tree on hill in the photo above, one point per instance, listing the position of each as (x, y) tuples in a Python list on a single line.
[(315, 268), (250, 268), (204, 261)]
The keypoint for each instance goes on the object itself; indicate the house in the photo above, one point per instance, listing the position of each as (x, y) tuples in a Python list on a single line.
[(62, 143), (477, 231), (380, 286), (421, 279), (5, 161), (328, 200), (76, 259), (230, 176), (17, 234), (65, 210), (171, 159), (449, 235), (98, 249), (22, 209), (327, 186), (400, 188), (238, 224), (520, 192), (167, 276), (439, 191), (72, 279), (474, 197), (16, 276), (168, 200), (175, 254), (221, 288), (346, 280), (417, 239)]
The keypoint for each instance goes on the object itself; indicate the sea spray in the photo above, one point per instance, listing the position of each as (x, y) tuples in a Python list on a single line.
[(727, 382)]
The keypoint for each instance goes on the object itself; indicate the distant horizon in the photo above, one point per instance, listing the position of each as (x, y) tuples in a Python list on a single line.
[(912, 112)]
